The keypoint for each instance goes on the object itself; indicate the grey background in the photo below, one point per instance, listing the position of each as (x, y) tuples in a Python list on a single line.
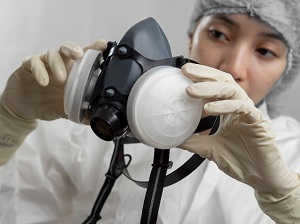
[(33, 26)]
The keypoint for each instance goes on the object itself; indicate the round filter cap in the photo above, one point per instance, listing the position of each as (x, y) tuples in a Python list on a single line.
[(159, 112), (80, 79)]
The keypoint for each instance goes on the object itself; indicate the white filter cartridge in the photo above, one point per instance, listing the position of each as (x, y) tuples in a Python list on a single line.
[(159, 112)]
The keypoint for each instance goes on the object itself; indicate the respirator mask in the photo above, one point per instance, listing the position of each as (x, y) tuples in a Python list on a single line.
[(134, 88), (134, 92)]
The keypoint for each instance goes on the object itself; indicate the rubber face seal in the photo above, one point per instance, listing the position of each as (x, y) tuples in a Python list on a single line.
[(160, 114), (80, 81)]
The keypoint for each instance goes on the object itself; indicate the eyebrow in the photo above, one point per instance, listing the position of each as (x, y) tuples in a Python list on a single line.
[(275, 35)]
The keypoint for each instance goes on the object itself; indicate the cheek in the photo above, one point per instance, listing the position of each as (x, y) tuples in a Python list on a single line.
[(257, 88), (262, 79), (204, 54)]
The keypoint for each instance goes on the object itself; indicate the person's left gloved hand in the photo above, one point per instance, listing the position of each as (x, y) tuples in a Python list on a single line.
[(244, 146)]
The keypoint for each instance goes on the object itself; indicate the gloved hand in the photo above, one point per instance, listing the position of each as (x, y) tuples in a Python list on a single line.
[(244, 146), (36, 91)]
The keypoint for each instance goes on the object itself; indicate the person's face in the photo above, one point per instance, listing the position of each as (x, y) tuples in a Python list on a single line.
[(252, 52)]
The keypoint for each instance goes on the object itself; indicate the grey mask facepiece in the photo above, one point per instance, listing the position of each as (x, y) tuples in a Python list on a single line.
[(283, 16)]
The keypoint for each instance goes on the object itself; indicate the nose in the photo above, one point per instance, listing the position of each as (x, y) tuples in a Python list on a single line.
[(236, 61)]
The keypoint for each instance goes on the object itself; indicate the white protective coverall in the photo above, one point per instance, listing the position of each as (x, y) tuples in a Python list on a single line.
[(57, 173)]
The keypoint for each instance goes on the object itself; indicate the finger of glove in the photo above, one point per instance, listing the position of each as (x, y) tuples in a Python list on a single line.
[(99, 45), (54, 62), (217, 90), (201, 73), (35, 67), (240, 107), (70, 51)]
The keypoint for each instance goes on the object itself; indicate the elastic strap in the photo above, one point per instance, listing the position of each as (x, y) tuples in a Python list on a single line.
[(184, 170)]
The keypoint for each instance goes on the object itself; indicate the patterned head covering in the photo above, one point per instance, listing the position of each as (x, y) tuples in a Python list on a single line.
[(281, 15)]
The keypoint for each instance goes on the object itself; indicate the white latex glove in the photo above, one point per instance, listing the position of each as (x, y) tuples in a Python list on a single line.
[(244, 147), (36, 91)]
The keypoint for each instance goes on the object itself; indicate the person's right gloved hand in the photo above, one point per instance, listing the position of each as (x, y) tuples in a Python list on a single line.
[(36, 91)]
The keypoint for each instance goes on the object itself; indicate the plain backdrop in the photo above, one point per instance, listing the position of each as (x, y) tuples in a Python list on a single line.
[(33, 26)]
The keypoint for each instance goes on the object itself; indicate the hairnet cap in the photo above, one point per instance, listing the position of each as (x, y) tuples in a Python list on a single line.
[(283, 16)]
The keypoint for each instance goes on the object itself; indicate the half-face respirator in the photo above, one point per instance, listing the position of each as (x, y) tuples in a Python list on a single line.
[(134, 88), (134, 92)]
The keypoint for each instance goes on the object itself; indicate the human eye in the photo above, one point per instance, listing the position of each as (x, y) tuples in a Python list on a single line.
[(217, 34), (264, 52)]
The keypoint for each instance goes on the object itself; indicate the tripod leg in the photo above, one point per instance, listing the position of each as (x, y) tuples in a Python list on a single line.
[(112, 174)]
